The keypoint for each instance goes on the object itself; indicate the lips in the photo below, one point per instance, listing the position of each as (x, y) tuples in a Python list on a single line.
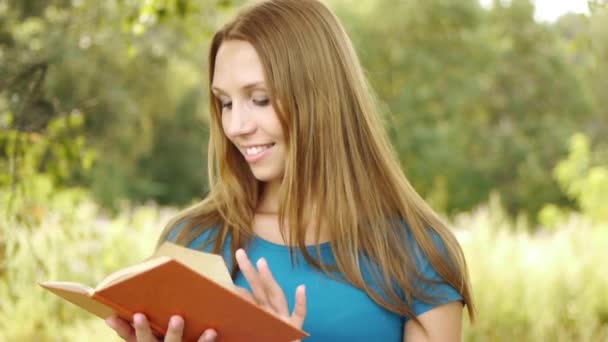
[(253, 151)]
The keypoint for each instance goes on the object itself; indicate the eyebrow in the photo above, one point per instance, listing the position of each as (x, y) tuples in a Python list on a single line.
[(246, 87)]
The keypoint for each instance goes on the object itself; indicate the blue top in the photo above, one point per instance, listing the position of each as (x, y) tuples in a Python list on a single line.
[(335, 310)]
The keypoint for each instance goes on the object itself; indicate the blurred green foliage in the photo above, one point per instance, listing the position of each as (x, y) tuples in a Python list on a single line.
[(62, 150), (134, 68), (63, 235), (103, 106), (584, 181), (477, 99), (481, 100), (542, 286)]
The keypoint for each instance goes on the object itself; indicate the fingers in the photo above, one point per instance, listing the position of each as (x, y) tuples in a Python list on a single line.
[(243, 292), (142, 329), (143, 332), (275, 294), (208, 336), (253, 278), (175, 329), (299, 310), (267, 292), (122, 327)]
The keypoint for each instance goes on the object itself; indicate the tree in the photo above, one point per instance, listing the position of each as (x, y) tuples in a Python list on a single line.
[(479, 99), (133, 70)]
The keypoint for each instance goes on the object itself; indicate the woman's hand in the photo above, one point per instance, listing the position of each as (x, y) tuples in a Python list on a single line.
[(141, 332), (267, 293)]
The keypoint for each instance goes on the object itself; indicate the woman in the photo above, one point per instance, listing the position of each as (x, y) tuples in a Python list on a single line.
[(303, 178)]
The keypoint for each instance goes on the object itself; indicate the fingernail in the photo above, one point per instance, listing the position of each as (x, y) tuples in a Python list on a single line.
[(210, 335), (139, 319), (176, 323), (261, 262)]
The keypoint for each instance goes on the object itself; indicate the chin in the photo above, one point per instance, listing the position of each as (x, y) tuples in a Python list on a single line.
[(267, 175)]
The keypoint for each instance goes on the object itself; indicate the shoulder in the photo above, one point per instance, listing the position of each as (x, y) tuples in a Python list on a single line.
[(195, 235), (434, 289), (416, 250)]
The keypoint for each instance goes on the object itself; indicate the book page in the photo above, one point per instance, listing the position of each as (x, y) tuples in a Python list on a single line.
[(67, 286), (130, 271), (209, 265), (79, 295)]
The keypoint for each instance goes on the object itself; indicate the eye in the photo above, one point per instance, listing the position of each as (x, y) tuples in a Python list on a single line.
[(261, 101), (226, 105)]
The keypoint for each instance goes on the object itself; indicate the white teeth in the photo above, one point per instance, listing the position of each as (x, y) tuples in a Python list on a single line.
[(252, 151)]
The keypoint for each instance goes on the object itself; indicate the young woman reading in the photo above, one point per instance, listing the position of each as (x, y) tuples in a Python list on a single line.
[(304, 181)]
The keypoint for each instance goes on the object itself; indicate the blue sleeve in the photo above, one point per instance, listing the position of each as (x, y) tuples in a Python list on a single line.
[(175, 230), (203, 241), (441, 292), (199, 241)]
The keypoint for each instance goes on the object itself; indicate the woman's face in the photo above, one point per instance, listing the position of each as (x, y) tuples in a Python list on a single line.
[(248, 117)]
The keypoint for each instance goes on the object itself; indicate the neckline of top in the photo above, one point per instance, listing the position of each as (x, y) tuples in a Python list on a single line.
[(280, 247)]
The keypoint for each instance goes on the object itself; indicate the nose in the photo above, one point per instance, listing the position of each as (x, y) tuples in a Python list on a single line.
[(238, 121)]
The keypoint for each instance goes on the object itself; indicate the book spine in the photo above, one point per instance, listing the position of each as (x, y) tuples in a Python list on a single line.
[(125, 313)]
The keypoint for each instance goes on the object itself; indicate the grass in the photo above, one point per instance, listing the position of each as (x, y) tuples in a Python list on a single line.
[(546, 286)]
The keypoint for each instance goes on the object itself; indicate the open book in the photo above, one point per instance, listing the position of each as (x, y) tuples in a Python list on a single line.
[(179, 281)]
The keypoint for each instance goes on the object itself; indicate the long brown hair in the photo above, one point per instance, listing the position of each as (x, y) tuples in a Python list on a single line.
[(339, 159)]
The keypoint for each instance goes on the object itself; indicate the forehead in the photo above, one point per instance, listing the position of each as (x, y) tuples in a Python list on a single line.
[(236, 64)]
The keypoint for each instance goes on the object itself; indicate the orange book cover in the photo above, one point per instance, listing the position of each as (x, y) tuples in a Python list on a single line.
[(180, 281)]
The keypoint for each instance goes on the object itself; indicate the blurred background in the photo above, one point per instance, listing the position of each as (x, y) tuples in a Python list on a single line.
[(498, 111)]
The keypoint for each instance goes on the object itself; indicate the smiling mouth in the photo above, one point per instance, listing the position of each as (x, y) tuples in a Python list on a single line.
[(256, 150)]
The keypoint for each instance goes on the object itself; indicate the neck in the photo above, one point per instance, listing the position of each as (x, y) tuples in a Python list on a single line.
[(267, 215), (269, 201)]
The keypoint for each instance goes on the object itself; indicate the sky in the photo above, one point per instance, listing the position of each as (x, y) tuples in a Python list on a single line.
[(549, 10)]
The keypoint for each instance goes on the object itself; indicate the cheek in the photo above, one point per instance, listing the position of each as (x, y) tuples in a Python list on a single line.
[(224, 124), (225, 135), (274, 126)]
